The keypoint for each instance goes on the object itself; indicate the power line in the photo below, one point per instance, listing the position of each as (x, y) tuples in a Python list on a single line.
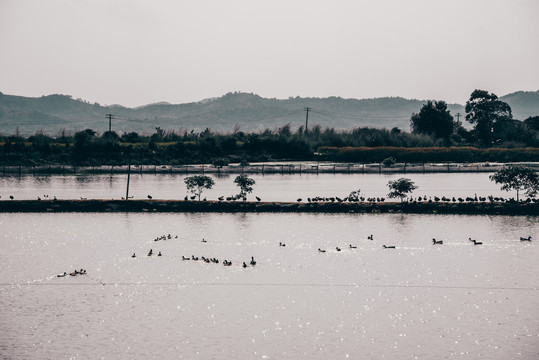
[(358, 117)]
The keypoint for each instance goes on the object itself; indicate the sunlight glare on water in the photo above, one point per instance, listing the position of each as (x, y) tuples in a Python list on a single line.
[(418, 300)]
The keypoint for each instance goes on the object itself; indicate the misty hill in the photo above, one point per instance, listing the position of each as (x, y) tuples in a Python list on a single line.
[(250, 112)]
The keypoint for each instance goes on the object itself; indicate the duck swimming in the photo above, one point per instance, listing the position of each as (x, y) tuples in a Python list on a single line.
[(253, 262), (434, 241), (388, 247)]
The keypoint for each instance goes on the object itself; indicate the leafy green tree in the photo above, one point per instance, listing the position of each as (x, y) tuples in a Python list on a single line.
[(532, 122), (517, 178), (131, 137), (198, 183), (111, 136), (245, 184), (433, 119), (400, 187), (484, 110)]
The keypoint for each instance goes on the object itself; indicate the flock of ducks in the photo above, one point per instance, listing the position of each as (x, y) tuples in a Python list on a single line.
[(74, 273), (434, 242), (196, 258), (253, 261)]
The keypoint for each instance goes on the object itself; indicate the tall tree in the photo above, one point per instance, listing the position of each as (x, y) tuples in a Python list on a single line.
[(517, 178), (433, 119), (400, 187), (197, 183), (484, 110), (245, 184)]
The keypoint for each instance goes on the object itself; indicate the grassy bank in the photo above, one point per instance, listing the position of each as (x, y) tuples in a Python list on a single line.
[(508, 208)]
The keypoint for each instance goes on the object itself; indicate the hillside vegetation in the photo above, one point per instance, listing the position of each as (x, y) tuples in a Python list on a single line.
[(53, 114)]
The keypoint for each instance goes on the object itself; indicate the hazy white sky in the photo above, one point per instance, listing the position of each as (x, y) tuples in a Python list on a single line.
[(135, 52)]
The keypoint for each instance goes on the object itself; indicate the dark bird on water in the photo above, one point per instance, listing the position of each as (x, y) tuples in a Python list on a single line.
[(149, 197), (322, 251), (257, 198), (150, 253), (253, 262), (388, 247), (434, 241), (529, 238), (281, 244)]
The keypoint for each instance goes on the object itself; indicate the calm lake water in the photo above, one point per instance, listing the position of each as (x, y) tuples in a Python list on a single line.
[(417, 301), (273, 187)]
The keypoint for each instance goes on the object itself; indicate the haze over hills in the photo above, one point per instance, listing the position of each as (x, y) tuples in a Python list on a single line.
[(250, 112)]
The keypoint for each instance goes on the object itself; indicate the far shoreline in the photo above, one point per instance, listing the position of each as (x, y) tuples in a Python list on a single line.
[(281, 167)]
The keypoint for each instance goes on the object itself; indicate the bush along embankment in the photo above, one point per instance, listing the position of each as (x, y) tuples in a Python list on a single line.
[(88, 148), (471, 208)]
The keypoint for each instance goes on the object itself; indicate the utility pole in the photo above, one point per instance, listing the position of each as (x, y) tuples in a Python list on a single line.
[(128, 178), (306, 109), (110, 117), (458, 118)]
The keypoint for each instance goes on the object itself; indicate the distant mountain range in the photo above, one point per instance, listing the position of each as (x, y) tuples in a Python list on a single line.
[(249, 112)]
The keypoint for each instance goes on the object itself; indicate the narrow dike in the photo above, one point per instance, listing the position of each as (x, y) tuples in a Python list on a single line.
[(469, 208)]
